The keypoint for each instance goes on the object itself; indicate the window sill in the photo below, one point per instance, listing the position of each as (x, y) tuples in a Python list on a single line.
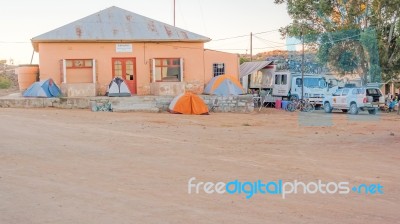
[(79, 67)]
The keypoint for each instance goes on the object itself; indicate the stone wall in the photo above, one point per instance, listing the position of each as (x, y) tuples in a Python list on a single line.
[(238, 104), (9, 73), (235, 104)]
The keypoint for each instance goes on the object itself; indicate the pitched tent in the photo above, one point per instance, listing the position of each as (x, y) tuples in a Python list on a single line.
[(118, 87), (46, 89), (188, 103), (224, 85)]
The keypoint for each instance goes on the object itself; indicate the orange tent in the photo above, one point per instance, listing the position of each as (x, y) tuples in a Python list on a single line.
[(188, 103)]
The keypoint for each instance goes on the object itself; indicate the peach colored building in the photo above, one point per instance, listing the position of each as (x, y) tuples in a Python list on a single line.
[(152, 57)]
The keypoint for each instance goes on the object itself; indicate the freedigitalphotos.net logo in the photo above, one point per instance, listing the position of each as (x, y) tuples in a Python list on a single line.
[(280, 187)]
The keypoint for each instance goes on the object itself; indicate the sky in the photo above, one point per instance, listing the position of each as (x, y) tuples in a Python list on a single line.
[(219, 20)]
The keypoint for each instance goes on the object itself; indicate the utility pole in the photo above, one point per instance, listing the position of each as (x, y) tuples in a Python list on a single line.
[(33, 52), (302, 64), (174, 12), (366, 14), (251, 46)]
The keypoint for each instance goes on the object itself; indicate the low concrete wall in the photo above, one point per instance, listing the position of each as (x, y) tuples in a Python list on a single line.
[(78, 89), (237, 104), (28, 102), (167, 88)]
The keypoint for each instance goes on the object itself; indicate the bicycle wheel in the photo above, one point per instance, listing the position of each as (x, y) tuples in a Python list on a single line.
[(308, 107), (299, 106), (291, 107)]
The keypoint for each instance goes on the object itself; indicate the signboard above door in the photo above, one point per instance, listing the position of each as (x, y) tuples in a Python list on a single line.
[(123, 48)]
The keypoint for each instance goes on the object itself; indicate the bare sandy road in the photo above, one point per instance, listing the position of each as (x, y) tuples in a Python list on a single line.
[(75, 166)]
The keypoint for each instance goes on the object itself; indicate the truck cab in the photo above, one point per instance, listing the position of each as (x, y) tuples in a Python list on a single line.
[(290, 85), (281, 86)]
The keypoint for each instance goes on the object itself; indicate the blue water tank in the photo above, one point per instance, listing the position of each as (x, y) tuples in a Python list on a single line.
[(284, 104)]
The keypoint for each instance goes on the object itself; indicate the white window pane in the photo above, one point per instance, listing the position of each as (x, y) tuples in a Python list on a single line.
[(88, 63), (158, 73), (68, 63)]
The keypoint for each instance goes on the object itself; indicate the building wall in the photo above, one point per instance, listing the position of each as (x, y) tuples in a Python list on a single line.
[(231, 63), (197, 62)]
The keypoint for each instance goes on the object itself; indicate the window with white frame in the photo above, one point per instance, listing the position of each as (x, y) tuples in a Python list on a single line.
[(79, 63), (82, 69), (281, 80), (218, 69), (167, 70)]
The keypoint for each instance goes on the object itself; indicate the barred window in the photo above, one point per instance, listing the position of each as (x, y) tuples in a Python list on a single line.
[(218, 69)]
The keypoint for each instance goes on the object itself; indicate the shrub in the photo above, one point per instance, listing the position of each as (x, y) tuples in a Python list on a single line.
[(5, 83)]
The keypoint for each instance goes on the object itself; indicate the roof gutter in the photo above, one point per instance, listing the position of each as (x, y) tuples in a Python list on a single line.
[(35, 43)]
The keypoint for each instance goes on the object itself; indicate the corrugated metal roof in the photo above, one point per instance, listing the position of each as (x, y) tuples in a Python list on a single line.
[(118, 25), (248, 68)]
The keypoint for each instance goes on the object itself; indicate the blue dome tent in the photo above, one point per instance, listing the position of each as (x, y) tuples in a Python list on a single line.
[(45, 89)]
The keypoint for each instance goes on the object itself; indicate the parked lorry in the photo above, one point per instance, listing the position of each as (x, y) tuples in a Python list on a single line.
[(285, 85)]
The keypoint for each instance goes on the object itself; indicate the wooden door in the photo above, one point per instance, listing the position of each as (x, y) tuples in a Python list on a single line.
[(125, 68)]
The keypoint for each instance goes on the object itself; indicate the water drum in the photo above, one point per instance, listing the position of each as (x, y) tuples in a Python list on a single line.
[(278, 104), (27, 75)]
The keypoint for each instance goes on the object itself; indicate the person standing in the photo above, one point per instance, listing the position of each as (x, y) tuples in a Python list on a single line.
[(398, 105)]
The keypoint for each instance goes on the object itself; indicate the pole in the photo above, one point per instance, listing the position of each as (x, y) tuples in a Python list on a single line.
[(302, 65), (366, 14), (251, 46), (174, 12), (33, 52)]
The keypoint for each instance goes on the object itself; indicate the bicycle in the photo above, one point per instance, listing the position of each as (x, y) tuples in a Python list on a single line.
[(301, 105)]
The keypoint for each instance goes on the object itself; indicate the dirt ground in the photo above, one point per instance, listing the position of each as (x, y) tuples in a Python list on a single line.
[(77, 166)]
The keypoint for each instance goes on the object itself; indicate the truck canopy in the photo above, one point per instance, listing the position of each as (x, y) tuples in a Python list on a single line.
[(249, 68)]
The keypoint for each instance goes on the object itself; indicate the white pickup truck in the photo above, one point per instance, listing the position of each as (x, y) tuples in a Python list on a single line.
[(354, 99)]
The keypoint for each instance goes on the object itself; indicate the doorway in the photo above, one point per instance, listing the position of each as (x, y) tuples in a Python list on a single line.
[(125, 68)]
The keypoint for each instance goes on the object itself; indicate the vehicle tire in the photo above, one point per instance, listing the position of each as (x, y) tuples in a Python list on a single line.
[(344, 110), (327, 107), (353, 109), (373, 111)]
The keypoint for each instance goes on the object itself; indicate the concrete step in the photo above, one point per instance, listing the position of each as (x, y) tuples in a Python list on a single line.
[(124, 100), (136, 107)]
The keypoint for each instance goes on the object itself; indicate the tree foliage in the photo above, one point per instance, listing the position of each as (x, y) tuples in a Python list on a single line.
[(244, 59), (354, 36)]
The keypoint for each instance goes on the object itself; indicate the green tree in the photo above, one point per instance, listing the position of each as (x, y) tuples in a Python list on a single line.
[(354, 36), (244, 59)]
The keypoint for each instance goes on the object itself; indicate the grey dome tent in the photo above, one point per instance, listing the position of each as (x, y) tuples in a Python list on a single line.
[(118, 88)]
